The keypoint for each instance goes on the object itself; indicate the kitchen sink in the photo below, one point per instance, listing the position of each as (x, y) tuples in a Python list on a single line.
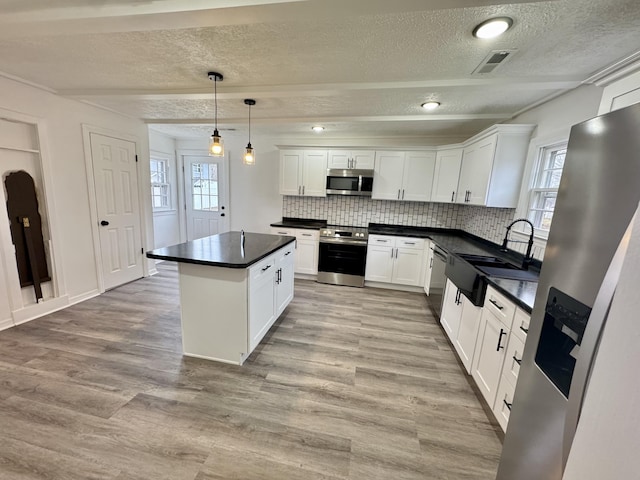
[(511, 273), (486, 261)]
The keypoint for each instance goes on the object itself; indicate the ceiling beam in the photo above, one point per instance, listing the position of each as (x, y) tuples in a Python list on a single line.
[(371, 118), (120, 17), (327, 89)]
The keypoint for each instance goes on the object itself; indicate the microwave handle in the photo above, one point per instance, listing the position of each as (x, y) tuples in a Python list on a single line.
[(359, 183)]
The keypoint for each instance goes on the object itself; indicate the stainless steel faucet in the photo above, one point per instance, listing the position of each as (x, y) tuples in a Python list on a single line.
[(527, 257)]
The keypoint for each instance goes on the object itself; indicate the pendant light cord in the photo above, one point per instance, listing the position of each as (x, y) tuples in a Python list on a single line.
[(249, 124), (215, 96)]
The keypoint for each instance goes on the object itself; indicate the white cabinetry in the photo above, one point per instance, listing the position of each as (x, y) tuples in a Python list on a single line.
[(492, 166), (460, 319), (446, 175), (489, 355), (403, 176), (397, 260), (352, 159), (303, 173), (284, 279), (307, 244)]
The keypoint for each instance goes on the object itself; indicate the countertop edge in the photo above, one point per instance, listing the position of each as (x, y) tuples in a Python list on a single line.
[(220, 264), (510, 295)]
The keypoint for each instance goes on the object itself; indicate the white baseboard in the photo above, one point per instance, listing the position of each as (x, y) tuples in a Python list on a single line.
[(393, 286), (31, 312), (4, 324), (83, 296)]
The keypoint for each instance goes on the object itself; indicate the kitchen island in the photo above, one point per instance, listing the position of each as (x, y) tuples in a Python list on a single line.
[(231, 291)]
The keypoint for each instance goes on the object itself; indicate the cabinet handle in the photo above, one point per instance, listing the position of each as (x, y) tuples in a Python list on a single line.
[(502, 332), (525, 330), (266, 268), (392, 253), (398, 194), (307, 235), (453, 195), (458, 297), (507, 404), (517, 360), (381, 241), (280, 276), (431, 263), (409, 243), (283, 233), (288, 253), (403, 193), (303, 189), (496, 304), (299, 189)]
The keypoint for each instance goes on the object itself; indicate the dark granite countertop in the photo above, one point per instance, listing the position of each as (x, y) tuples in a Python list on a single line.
[(305, 223), (223, 250), (523, 293)]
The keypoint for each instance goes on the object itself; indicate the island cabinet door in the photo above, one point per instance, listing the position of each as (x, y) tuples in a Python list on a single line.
[(284, 278), (262, 308)]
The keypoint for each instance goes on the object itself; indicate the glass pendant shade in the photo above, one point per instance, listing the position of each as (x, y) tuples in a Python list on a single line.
[(249, 155), (216, 145)]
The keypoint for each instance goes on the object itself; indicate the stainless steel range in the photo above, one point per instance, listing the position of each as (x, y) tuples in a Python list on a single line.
[(342, 256)]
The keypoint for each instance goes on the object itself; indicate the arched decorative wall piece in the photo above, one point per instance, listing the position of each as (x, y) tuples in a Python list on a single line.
[(26, 230)]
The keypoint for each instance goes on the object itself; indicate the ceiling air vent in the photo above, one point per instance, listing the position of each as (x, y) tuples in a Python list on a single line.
[(493, 61)]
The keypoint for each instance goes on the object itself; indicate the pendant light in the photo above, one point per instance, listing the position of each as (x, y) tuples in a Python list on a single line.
[(249, 155), (216, 145)]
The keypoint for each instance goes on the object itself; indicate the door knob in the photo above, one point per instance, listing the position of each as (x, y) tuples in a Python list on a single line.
[(104, 223)]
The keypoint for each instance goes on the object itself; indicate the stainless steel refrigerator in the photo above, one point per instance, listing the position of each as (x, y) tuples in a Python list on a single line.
[(595, 207)]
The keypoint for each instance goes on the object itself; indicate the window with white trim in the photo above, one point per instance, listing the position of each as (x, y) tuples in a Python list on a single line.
[(544, 189), (160, 187)]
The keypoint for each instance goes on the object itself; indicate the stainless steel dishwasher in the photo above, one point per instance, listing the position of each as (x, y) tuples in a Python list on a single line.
[(434, 283)]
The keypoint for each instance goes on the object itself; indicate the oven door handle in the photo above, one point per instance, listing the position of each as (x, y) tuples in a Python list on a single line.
[(341, 241)]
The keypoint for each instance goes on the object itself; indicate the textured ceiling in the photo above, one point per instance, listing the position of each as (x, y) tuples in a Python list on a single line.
[(348, 67)]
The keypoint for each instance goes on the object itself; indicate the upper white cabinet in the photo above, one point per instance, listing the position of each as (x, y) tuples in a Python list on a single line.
[(303, 173), (352, 159), (403, 176), (492, 166), (447, 173)]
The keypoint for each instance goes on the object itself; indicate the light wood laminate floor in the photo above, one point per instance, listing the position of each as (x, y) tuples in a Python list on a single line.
[(349, 384)]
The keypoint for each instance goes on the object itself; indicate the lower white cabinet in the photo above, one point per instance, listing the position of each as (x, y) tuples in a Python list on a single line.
[(489, 355), (460, 319), (307, 245), (504, 402), (270, 291), (465, 342), (397, 260)]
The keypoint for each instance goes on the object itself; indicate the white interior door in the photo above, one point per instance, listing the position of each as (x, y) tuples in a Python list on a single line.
[(116, 184), (206, 196)]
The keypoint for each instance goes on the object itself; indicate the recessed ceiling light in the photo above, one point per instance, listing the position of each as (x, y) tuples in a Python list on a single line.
[(317, 128), (430, 105), (494, 27)]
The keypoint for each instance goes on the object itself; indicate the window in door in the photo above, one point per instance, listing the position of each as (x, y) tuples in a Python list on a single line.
[(204, 179), (542, 198), (160, 187)]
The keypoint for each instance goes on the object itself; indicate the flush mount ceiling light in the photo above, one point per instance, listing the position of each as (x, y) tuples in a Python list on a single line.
[(216, 145), (492, 28), (317, 128), (430, 105), (249, 155)]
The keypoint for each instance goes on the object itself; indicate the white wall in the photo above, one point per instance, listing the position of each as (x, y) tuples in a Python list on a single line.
[(63, 144), (254, 201), (167, 228)]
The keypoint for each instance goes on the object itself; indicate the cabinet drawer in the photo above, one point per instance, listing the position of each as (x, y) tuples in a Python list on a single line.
[(262, 268), (304, 234), (500, 306), (409, 242), (521, 324), (504, 402), (513, 358), (382, 240), (282, 231)]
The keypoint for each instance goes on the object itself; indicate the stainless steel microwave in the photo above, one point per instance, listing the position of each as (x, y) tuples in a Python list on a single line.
[(349, 182)]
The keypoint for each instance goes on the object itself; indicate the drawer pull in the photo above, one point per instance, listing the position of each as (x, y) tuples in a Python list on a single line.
[(409, 243), (500, 347), (507, 404), (496, 304), (381, 241), (307, 235), (517, 360), (266, 268), (282, 233), (525, 330), (288, 253)]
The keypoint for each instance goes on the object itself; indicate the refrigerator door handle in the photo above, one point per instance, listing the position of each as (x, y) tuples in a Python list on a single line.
[(591, 340)]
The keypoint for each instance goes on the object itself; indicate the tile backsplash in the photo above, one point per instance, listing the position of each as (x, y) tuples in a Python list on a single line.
[(487, 223)]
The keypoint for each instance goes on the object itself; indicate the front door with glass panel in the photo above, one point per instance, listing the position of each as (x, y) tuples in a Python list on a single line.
[(206, 193)]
